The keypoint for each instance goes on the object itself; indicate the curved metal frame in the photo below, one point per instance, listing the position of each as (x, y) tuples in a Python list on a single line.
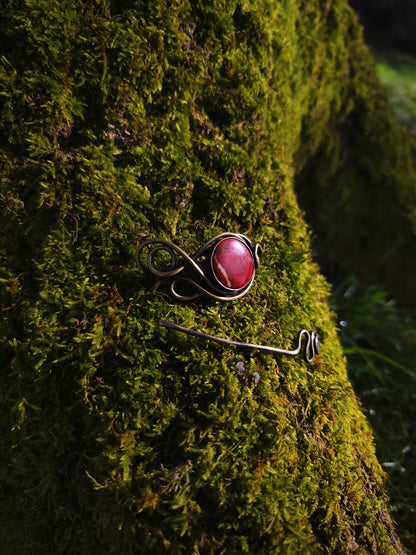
[(178, 271), (311, 348)]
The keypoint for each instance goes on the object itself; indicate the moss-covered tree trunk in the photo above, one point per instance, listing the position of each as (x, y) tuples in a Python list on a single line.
[(356, 180), (129, 120)]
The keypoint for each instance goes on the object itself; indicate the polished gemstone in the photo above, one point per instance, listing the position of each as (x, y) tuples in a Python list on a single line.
[(232, 263)]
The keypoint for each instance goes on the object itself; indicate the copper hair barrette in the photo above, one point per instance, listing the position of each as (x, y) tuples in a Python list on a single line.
[(223, 268)]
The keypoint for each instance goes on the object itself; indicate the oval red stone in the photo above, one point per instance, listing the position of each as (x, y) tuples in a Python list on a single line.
[(232, 263)]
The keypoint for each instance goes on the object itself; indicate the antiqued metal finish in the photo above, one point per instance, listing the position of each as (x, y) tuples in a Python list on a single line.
[(223, 268), (311, 348)]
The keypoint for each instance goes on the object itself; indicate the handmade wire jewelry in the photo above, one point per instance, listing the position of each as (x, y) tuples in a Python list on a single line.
[(223, 268), (311, 348)]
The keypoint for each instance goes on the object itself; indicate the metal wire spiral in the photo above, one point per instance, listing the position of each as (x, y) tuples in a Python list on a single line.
[(179, 271), (311, 348)]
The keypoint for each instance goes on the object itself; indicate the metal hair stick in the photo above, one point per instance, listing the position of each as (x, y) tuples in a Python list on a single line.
[(311, 347)]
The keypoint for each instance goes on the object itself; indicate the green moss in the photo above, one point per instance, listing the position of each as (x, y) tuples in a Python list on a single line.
[(178, 120), (360, 161)]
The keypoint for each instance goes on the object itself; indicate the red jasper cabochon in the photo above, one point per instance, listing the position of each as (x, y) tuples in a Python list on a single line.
[(232, 263)]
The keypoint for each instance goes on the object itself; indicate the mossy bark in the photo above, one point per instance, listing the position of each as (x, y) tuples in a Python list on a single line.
[(356, 180), (128, 120)]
